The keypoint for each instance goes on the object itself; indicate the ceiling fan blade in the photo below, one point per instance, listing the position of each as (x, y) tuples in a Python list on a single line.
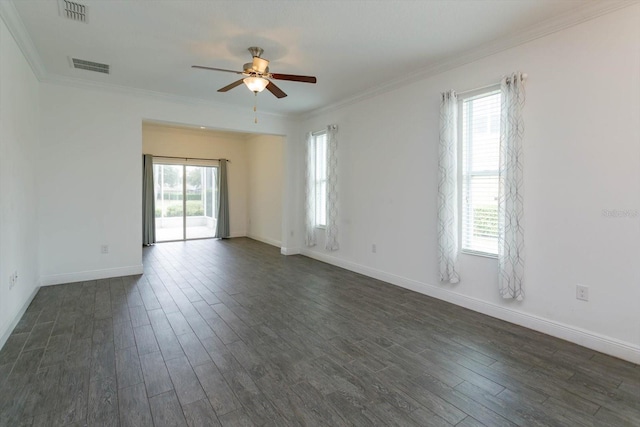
[(294, 78), (216, 69), (271, 87), (231, 86)]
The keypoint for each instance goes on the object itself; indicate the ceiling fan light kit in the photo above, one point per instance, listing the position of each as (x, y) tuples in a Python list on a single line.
[(255, 84)]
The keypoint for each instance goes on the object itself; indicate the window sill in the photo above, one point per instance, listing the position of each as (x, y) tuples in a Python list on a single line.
[(480, 254), (321, 227)]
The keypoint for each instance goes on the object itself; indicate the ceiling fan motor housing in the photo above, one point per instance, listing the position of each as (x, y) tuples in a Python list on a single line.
[(258, 65), (249, 68)]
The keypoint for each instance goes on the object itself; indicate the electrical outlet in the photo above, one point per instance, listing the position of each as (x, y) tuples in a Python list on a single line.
[(582, 293), (104, 249), (13, 279), (374, 248)]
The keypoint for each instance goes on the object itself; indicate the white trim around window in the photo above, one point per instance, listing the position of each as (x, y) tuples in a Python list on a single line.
[(479, 154), (319, 142)]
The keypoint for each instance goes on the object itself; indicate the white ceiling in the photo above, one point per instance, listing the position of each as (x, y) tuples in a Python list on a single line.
[(351, 46)]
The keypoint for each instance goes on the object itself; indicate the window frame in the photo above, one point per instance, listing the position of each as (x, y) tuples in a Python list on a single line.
[(464, 176), (319, 181)]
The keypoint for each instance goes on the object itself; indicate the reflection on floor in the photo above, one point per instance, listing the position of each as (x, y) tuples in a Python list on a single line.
[(175, 233)]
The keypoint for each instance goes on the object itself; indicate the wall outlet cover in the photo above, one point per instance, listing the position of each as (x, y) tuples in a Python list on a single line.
[(582, 292)]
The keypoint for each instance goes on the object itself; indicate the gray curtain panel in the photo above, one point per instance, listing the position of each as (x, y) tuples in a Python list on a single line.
[(148, 202), (222, 226)]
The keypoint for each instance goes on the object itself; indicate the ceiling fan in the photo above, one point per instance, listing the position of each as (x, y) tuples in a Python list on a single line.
[(257, 75)]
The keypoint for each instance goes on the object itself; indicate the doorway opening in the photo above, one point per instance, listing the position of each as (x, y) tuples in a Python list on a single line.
[(185, 199)]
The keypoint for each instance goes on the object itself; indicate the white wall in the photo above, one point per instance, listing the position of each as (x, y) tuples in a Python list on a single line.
[(582, 156), (266, 169), (90, 174), (183, 142), (18, 194)]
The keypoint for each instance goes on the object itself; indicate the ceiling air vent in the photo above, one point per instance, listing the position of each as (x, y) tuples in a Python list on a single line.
[(73, 10), (90, 66)]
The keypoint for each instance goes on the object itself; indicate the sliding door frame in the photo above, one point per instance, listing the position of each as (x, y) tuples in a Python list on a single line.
[(171, 161)]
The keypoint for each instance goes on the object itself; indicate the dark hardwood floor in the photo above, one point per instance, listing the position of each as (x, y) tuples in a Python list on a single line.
[(232, 333)]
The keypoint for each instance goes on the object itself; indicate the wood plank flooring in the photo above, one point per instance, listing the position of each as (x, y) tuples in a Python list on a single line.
[(231, 333)]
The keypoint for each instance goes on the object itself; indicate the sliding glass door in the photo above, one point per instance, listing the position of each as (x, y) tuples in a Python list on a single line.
[(185, 201), (201, 220)]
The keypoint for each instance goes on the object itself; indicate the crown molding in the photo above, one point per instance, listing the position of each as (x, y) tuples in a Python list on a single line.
[(16, 27), (56, 79), (560, 22)]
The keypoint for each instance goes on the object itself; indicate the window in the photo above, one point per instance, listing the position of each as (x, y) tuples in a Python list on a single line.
[(319, 142), (480, 130)]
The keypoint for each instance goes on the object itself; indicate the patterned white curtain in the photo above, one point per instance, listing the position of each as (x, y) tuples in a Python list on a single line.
[(310, 192), (331, 243), (448, 188), (510, 211)]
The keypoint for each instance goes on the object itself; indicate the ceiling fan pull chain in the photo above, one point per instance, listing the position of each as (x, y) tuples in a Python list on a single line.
[(255, 107)]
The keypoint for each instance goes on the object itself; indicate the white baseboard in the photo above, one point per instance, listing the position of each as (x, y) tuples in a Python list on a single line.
[(268, 241), (290, 251), (83, 276), (592, 340), (7, 333)]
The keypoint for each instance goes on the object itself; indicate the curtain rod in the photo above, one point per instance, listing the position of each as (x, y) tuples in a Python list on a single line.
[(319, 132), (189, 158), (524, 77)]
